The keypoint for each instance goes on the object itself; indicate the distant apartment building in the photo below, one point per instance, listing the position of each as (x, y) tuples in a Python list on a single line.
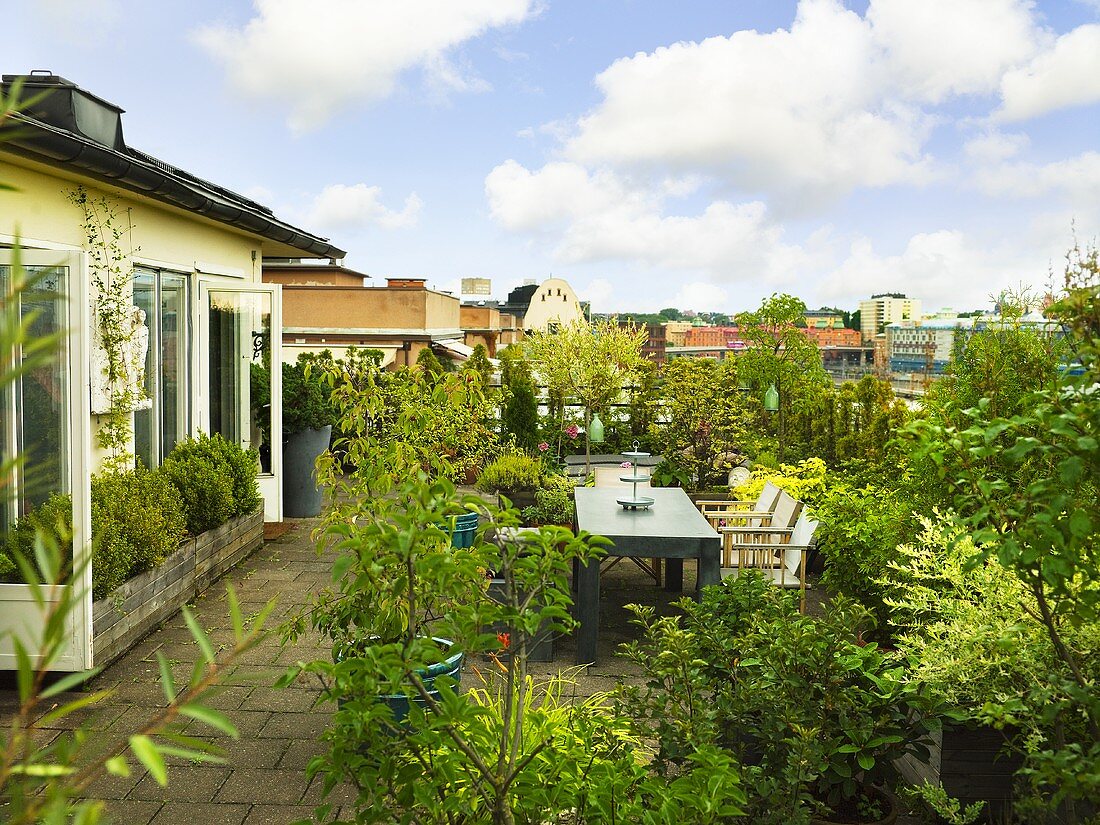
[(656, 342), (712, 336), (923, 347), (326, 306), (676, 332), (884, 309), (824, 319)]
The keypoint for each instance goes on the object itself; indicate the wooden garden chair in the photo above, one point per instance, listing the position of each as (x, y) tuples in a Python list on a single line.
[(758, 527), (779, 553), (726, 513)]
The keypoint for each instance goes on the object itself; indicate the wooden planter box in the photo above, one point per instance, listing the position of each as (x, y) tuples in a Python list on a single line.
[(124, 617), (975, 764)]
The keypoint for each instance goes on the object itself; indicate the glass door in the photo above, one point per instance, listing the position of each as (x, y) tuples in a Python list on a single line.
[(44, 437), (241, 368)]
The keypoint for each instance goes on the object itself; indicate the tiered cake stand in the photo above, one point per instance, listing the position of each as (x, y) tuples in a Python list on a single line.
[(635, 501)]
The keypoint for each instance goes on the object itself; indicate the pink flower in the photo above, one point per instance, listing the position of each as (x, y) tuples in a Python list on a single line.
[(572, 430), (543, 447), (625, 465)]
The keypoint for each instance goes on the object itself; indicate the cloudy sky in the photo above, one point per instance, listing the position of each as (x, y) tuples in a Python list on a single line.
[(700, 154)]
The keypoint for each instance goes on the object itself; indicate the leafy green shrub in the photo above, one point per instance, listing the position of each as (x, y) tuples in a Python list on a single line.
[(553, 502), (511, 473), (242, 465), (306, 396), (52, 518), (215, 478), (137, 521), (859, 533), (815, 717)]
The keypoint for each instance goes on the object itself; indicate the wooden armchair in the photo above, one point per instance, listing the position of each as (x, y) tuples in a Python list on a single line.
[(723, 513), (759, 527), (779, 553)]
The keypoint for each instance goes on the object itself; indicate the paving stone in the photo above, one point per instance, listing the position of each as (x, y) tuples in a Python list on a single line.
[(291, 699), (178, 813), (126, 811), (295, 725), (268, 785), (299, 753), (198, 783), (114, 787), (255, 753), (277, 814)]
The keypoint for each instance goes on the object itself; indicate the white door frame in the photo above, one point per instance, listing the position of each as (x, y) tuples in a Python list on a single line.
[(18, 611), (271, 484)]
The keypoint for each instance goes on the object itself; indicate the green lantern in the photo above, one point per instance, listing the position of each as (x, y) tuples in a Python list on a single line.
[(771, 399), (595, 429)]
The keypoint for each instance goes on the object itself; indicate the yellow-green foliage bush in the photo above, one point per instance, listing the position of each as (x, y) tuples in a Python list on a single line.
[(511, 473), (805, 481), (970, 630)]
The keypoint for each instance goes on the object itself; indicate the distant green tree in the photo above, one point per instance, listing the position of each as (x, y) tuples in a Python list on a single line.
[(671, 314), (479, 363), (427, 361), (781, 354), (853, 320)]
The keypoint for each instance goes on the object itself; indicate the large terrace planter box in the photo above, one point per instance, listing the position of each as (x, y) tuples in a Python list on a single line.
[(129, 613)]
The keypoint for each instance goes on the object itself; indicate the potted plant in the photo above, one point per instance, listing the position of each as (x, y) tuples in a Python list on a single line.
[(515, 476), (554, 502), (307, 427), (971, 632)]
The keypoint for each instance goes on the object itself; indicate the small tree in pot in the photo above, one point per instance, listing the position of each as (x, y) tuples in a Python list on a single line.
[(307, 424)]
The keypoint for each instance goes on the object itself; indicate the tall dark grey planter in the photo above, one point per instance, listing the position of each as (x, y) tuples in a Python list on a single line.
[(301, 495)]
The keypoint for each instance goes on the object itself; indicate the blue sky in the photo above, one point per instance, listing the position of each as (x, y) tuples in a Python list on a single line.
[(699, 154)]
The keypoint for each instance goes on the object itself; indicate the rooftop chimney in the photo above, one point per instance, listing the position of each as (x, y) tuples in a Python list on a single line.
[(66, 106)]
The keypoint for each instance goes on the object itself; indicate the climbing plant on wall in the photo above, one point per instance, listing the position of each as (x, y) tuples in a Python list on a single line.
[(119, 335)]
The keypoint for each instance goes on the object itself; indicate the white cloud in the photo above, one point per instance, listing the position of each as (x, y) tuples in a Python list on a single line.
[(937, 48), (1066, 75), (346, 208), (993, 147), (944, 269), (600, 216), (602, 294), (1078, 178), (798, 109), (701, 297), (318, 58)]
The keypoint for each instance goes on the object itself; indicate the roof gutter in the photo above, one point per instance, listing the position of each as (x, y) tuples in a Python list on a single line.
[(39, 141)]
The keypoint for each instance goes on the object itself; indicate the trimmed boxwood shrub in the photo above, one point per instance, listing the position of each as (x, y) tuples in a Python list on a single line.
[(137, 521), (511, 473), (53, 516), (215, 478)]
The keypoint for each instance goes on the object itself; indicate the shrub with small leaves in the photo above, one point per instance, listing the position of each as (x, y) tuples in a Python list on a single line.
[(511, 473), (137, 521), (217, 480)]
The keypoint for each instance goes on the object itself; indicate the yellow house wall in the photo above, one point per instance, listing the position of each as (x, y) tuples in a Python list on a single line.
[(40, 213)]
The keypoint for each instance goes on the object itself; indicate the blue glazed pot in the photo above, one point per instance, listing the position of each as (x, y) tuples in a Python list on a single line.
[(400, 703)]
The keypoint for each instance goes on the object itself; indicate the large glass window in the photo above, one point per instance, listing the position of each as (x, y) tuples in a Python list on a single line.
[(162, 297), (34, 407), (240, 369)]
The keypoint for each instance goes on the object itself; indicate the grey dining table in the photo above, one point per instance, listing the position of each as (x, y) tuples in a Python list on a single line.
[(672, 529)]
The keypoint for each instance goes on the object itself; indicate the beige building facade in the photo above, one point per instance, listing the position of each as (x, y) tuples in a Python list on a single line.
[(879, 311)]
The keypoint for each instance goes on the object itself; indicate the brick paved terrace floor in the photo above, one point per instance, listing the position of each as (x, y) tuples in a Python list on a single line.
[(263, 779)]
